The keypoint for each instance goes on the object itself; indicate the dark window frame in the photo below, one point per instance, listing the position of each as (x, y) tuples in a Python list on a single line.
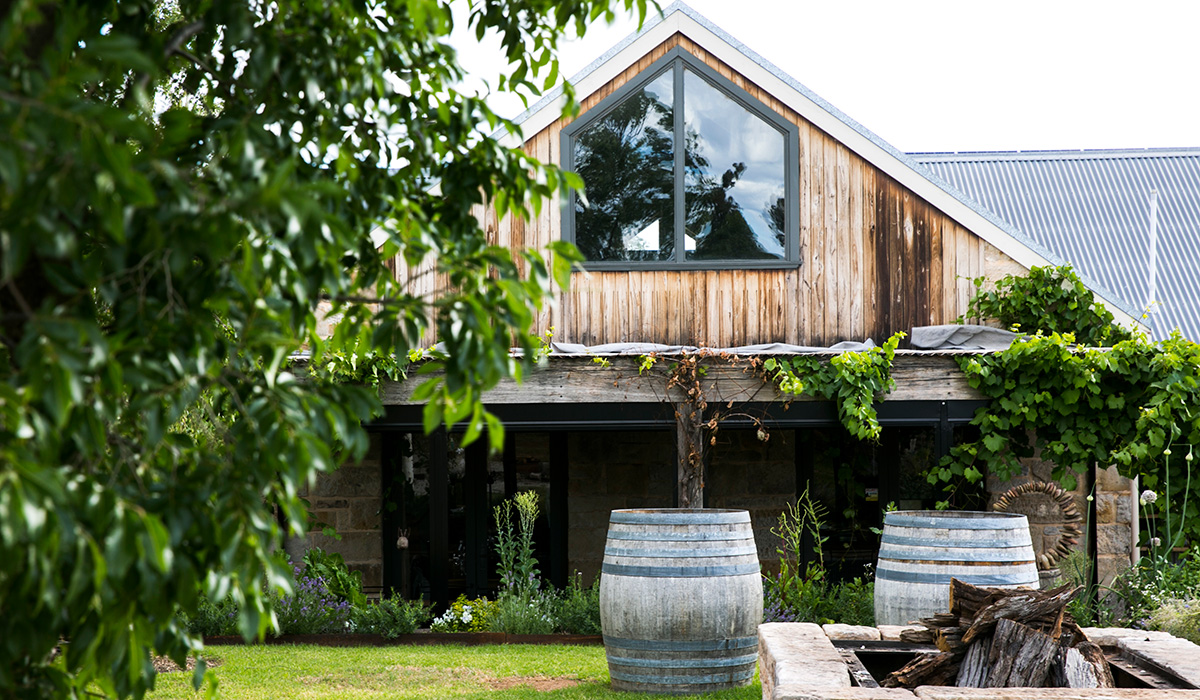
[(676, 60)]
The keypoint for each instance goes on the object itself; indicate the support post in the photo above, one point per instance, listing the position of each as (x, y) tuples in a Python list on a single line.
[(478, 513), (944, 437), (439, 520), (392, 514), (559, 515), (510, 465), (805, 472)]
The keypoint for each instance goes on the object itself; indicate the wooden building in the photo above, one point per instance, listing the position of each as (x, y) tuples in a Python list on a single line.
[(727, 206)]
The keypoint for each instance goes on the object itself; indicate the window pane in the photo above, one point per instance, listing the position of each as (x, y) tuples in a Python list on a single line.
[(626, 160), (735, 178)]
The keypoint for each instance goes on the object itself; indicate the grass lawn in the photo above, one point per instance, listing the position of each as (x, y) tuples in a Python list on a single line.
[(496, 672)]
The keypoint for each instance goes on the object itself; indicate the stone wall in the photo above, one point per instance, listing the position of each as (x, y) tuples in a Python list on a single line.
[(1115, 515), (348, 500), (755, 475), (609, 471)]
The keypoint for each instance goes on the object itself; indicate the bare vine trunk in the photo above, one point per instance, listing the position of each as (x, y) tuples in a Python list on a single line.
[(690, 451)]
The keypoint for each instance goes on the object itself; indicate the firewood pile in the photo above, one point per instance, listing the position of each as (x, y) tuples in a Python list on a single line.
[(1004, 638)]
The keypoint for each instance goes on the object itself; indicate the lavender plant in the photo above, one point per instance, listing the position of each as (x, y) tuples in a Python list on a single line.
[(390, 617), (311, 609)]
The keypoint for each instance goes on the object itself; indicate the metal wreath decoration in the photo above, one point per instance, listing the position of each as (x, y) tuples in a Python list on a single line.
[(1071, 519)]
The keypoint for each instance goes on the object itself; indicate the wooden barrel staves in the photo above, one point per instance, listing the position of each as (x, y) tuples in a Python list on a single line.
[(921, 550), (680, 600)]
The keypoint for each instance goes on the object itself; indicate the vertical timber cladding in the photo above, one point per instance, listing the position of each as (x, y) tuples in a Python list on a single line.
[(875, 258)]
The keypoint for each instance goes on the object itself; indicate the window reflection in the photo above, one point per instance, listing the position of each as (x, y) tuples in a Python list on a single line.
[(627, 161), (735, 174), (732, 165)]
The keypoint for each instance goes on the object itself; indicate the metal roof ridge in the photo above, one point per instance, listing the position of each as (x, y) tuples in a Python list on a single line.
[(1056, 154)]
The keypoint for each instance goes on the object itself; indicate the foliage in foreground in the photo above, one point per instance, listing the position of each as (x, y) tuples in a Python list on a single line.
[(158, 267), (327, 598), (494, 672)]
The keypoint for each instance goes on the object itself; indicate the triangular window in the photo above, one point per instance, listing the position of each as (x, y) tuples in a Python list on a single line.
[(683, 169)]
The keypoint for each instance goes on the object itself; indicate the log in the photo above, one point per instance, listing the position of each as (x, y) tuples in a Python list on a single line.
[(942, 620), (1020, 656), (974, 670), (921, 636), (1022, 605), (926, 669), (992, 637), (1084, 666), (950, 639), (966, 599)]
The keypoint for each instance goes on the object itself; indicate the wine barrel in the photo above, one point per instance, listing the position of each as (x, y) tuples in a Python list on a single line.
[(680, 600), (921, 550)]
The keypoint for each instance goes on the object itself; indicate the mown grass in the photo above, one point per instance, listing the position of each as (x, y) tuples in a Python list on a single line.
[(495, 672)]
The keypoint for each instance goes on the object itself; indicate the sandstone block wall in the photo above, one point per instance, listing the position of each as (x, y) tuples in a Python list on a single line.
[(758, 476), (1115, 515), (348, 500), (616, 470), (609, 471)]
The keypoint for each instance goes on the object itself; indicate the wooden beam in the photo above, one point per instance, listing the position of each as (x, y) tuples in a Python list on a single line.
[(918, 377)]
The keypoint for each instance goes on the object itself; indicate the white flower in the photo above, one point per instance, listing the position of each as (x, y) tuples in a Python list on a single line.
[(1148, 497), (466, 616), (1154, 541)]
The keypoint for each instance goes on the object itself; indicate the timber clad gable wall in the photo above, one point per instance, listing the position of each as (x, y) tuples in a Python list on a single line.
[(875, 258)]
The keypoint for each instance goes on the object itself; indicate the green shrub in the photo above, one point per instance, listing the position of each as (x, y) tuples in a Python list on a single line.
[(390, 617), (1178, 616), (578, 609), (466, 615), (339, 580), (213, 618), (808, 596)]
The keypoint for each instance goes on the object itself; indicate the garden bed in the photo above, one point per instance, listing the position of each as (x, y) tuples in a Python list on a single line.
[(420, 638)]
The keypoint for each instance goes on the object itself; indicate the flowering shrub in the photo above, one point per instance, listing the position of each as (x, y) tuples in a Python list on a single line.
[(514, 544), (1180, 617), (531, 612), (213, 618), (466, 615), (312, 609)]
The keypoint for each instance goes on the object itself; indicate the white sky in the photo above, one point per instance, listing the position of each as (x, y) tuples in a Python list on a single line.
[(942, 75)]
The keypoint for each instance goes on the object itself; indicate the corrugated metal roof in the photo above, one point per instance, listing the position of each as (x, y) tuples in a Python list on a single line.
[(1092, 209)]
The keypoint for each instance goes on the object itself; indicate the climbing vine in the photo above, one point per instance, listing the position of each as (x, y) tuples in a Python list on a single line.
[(1129, 405), (853, 380), (1051, 299)]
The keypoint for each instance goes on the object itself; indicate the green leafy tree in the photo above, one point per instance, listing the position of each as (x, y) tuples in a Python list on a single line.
[(160, 265)]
